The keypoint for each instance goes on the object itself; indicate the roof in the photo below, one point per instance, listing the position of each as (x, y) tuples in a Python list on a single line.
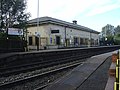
[(43, 20)]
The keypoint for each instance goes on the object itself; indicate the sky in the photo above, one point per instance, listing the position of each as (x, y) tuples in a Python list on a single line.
[(93, 14)]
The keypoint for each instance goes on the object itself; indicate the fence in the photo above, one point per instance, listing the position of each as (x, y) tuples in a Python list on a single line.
[(11, 45)]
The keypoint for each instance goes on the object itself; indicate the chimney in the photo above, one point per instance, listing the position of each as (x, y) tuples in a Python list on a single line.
[(74, 22)]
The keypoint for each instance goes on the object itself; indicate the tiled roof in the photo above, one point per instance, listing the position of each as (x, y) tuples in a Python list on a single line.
[(43, 20)]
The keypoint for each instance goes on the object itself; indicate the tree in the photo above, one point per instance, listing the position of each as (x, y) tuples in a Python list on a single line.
[(117, 30), (117, 39), (13, 12), (110, 40), (2, 35)]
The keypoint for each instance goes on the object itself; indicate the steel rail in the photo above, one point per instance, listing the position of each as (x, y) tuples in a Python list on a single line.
[(27, 79), (25, 68)]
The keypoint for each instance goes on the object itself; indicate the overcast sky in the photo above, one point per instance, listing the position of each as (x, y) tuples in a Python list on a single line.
[(90, 13)]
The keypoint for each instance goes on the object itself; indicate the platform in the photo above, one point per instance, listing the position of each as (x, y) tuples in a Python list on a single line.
[(91, 75)]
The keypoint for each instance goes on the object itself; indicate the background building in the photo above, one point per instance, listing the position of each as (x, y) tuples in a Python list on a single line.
[(55, 33)]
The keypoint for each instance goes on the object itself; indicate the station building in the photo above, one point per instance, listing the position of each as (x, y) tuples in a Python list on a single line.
[(47, 32)]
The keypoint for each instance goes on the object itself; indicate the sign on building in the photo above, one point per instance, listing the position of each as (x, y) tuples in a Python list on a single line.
[(37, 34), (15, 31), (54, 31)]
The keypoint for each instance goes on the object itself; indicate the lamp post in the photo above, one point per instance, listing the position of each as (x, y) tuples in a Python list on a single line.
[(106, 40), (38, 26)]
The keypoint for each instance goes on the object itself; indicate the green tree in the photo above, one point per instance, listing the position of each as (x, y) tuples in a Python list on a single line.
[(110, 40), (117, 39), (13, 12), (2, 35), (117, 30)]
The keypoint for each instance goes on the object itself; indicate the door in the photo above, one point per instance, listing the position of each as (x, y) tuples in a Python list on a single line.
[(57, 40)]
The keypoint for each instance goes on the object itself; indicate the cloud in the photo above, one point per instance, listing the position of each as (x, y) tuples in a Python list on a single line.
[(117, 23), (60, 8), (103, 8), (80, 10), (71, 9)]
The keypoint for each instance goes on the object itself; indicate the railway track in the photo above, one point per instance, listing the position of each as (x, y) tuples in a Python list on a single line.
[(35, 77), (22, 63), (38, 65), (26, 60)]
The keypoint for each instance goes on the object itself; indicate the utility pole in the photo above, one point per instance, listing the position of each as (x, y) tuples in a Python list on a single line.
[(38, 26)]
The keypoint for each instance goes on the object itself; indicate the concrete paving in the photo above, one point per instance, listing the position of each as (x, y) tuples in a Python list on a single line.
[(98, 80), (91, 75)]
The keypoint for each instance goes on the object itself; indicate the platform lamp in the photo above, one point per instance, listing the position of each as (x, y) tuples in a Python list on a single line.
[(106, 40)]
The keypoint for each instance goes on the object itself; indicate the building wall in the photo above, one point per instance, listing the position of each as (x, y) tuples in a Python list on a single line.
[(65, 37), (41, 33), (70, 32), (40, 30), (52, 36)]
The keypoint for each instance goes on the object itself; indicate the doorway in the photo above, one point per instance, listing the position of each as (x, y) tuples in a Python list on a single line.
[(57, 40)]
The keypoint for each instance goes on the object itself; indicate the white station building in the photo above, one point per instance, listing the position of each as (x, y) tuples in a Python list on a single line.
[(54, 33)]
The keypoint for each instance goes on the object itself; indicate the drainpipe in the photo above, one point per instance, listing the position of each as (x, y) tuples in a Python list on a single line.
[(65, 38)]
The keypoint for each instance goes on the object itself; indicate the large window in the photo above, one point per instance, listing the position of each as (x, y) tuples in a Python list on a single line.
[(92, 41), (30, 40), (81, 41), (75, 41), (86, 41)]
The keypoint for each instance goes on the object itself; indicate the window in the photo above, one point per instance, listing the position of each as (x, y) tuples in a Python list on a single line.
[(86, 41), (92, 41), (30, 40), (75, 41), (50, 40), (81, 41)]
